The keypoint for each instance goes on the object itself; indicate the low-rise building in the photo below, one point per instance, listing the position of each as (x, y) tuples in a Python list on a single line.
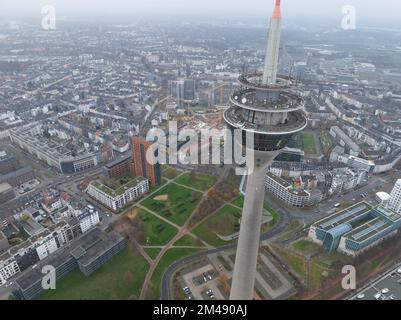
[(119, 167), (4, 245), (7, 164), (32, 139), (86, 220), (355, 229), (284, 191), (6, 192), (36, 248), (345, 140), (18, 177), (118, 198), (88, 253), (8, 267)]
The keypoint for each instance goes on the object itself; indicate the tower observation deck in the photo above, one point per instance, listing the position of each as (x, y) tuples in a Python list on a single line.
[(269, 107)]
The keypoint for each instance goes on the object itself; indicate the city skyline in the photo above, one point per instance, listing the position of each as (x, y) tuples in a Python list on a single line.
[(370, 10), (185, 155)]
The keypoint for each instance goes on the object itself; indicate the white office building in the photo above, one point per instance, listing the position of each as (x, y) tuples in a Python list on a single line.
[(46, 246), (284, 191), (117, 199), (8, 268), (395, 198), (88, 220)]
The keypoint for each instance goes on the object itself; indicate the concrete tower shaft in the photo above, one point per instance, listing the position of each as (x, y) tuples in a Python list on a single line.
[(269, 107), (273, 47)]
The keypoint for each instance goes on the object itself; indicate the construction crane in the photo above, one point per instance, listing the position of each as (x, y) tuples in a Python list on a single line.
[(164, 99)]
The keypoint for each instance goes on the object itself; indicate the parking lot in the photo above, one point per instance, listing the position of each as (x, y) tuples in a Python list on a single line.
[(388, 287), (202, 284)]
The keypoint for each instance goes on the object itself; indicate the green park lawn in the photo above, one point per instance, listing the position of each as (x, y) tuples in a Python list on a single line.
[(309, 143), (326, 141), (171, 173), (168, 259), (239, 202), (197, 181), (295, 262), (157, 231), (188, 241), (120, 278), (306, 247), (179, 205), (224, 222), (152, 252)]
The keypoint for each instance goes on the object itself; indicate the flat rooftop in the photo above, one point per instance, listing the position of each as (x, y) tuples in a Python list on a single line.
[(345, 216), (117, 162), (368, 230), (382, 220), (391, 215), (96, 243), (5, 187), (278, 180), (84, 249), (116, 192), (287, 185)]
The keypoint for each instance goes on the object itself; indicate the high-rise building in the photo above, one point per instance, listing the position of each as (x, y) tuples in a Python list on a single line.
[(395, 198), (183, 90), (143, 166), (269, 107), (189, 90)]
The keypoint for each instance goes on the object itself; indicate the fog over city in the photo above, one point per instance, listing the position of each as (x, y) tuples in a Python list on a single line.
[(204, 150), (368, 10)]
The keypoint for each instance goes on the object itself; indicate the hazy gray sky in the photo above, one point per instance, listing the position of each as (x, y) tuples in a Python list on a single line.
[(366, 9)]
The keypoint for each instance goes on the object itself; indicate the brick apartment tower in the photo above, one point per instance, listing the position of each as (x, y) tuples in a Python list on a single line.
[(142, 167)]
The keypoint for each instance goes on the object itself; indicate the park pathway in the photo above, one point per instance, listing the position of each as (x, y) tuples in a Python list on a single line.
[(182, 232)]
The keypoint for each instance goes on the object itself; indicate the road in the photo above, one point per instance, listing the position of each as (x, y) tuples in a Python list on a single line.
[(286, 216), (6, 209), (165, 286)]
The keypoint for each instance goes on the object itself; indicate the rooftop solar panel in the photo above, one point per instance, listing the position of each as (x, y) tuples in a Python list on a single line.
[(343, 216), (365, 232)]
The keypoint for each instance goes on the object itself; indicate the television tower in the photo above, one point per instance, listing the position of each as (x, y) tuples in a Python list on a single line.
[(270, 107)]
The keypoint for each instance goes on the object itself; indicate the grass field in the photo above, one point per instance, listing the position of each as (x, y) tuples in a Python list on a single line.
[(309, 144), (275, 215), (239, 202), (197, 181), (169, 258), (296, 263), (188, 241), (119, 279), (157, 232), (171, 173), (306, 247), (326, 140), (179, 206), (152, 252), (224, 222)]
